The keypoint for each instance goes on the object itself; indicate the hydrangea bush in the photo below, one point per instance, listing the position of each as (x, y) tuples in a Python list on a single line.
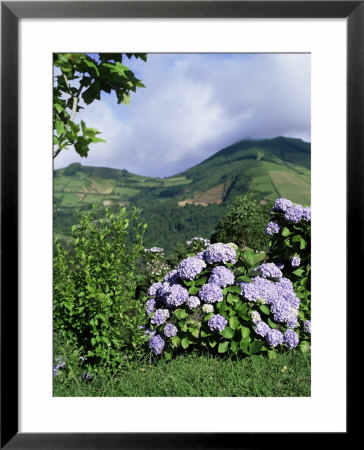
[(224, 299), (290, 249)]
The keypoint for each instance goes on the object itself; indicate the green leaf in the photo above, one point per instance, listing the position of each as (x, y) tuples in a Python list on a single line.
[(264, 309), (244, 345), (93, 341), (195, 332), (257, 258), (176, 341), (255, 347), (272, 354), (233, 322), (227, 332), (271, 323), (304, 346), (90, 63), (193, 290), (223, 347), (235, 288), (245, 332), (59, 127), (244, 279), (185, 342), (298, 272), (212, 343), (234, 346), (285, 232), (303, 244), (205, 334)]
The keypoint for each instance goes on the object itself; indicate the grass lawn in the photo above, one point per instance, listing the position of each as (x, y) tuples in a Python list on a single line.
[(288, 375)]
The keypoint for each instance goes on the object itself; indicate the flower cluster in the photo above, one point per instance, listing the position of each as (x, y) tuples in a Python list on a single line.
[(198, 240), (217, 322), (278, 295), (172, 294), (157, 343), (295, 261), (221, 276), (160, 316), (190, 267), (282, 204), (193, 302), (207, 308), (269, 270), (170, 330), (307, 326), (211, 293), (294, 213), (272, 228), (216, 253), (203, 302)]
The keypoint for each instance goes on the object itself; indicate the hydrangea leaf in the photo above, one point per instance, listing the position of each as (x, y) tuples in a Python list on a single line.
[(233, 322), (264, 309), (223, 347), (227, 332), (185, 342)]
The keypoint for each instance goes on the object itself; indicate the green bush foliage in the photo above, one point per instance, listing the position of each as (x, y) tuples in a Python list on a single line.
[(96, 313), (244, 223), (291, 247)]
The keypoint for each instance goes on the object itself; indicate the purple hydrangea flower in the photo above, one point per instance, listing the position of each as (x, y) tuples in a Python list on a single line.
[(148, 332), (269, 270), (255, 316), (193, 302), (172, 277), (157, 343), (281, 310), (210, 293), (153, 290), (221, 276), (307, 326), (272, 228), (292, 320), (261, 328), (282, 204), (160, 316), (207, 308), (170, 330), (150, 306), (173, 294), (295, 261), (290, 339), (259, 288), (217, 322), (307, 214), (294, 213), (220, 253), (190, 267), (274, 337)]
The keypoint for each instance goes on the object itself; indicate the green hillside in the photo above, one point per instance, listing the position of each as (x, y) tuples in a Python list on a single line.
[(190, 202)]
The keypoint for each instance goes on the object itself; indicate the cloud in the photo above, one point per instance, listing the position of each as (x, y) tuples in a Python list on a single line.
[(194, 105)]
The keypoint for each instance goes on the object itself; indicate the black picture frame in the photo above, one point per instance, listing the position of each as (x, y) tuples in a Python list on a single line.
[(11, 12)]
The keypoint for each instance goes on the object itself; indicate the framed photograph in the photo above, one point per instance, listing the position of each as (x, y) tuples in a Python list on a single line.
[(298, 68)]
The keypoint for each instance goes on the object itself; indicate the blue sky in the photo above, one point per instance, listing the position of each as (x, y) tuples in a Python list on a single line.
[(194, 105)]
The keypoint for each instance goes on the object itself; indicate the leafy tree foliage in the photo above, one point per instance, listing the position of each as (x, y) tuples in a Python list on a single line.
[(96, 314), (84, 77), (244, 223)]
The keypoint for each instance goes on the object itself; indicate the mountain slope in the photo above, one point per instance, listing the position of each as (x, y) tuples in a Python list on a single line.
[(277, 167)]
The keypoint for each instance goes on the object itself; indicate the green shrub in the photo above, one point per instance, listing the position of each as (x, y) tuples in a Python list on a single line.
[(244, 223), (290, 247), (95, 311)]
